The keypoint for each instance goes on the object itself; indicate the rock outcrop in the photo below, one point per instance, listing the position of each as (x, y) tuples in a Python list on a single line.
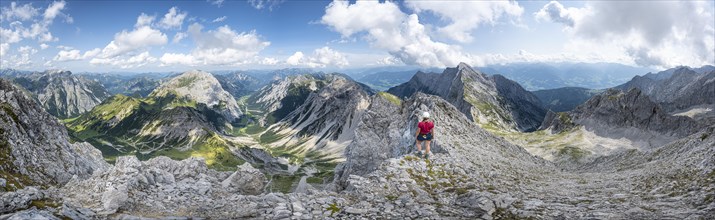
[(35, 148), (493, 102)]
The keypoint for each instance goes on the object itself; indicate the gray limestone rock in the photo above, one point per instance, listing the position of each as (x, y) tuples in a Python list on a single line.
[(246, 180)]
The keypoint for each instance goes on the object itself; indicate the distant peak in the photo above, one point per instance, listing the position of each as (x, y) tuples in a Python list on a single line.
[(463, 65)]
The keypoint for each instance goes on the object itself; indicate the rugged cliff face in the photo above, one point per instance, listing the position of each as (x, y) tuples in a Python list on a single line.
[(282, 96), (61, 93), (631, 115), (34, 147), (324, 123), (678, 88), (493, 102)]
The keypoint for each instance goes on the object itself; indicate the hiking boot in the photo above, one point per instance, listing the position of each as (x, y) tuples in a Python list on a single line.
[(419, 153), (427, 156)]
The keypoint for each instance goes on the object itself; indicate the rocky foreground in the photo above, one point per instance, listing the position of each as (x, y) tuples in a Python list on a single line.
[(473, 175)]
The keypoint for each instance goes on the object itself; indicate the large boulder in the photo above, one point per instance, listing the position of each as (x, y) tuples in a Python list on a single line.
[(246, 180)]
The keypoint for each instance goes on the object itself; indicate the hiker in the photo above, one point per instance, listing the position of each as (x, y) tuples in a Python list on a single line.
[(424, 133)]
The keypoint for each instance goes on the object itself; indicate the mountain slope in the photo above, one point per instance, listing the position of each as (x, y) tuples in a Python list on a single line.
[(201, 87), (34, 146), (63, 94), (494, 102), (168, 122), (323, 124), (566, 98), (631, 115), (678, 88), (238, 84)]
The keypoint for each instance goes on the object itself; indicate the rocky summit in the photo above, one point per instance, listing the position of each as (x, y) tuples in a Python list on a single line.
[(201, 87), (492, 101)]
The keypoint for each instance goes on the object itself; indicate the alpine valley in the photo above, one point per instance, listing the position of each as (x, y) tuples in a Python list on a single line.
[(302, 144)]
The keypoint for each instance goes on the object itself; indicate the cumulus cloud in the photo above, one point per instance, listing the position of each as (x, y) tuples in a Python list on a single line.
[(129, 41), (131, 62), (54, 10), (18, 29), (4, 48), (388, 28), (465, 16), (21, 59), (219, 19), (144, 20), (74, 54), (44, 46), (321, 57), (222, 46), (556, 12), (657, 34), (173, 19), (388, 61), (295, 59), (261, 4), (179, 36), (14, 12)]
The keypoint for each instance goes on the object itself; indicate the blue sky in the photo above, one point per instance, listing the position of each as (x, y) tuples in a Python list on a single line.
[(136, 36)]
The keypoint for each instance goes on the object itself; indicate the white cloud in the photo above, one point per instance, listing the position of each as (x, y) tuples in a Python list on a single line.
[(321, 57), (173, 19), (465, 16), (22, 13), (222, 46), (261, 4), (54, 10), (295, 59), (68, 55), (73, 54), (658, 34), (138, 60), (388, 28), (388, 61), (144, 20), (37, 29), (179, 36), (44, 46), (556, 12), (218, 3), (269, 61), (4, 48), (22, 59), (129, 41), (219, 19)]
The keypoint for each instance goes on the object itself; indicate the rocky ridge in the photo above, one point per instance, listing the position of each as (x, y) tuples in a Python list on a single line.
[(631, 115), (35, 148), (62, 93), (325, 122), (677, 88), (494, 102)]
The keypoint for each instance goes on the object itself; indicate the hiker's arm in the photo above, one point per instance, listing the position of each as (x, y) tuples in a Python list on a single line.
[(417, 133)]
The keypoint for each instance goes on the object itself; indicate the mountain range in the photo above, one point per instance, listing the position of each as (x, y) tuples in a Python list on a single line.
[(300, 144)]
